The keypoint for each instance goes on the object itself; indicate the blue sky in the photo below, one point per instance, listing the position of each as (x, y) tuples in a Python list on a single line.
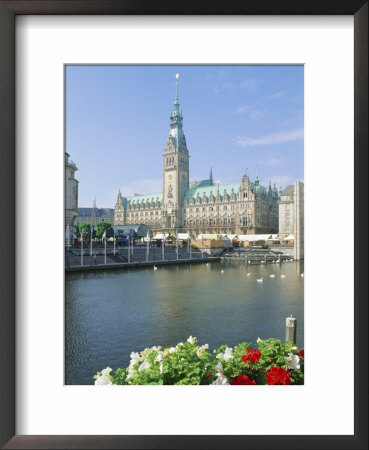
[(234, 117)]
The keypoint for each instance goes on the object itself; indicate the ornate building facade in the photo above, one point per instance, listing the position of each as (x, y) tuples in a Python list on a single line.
[(203, 206), (71, 192)]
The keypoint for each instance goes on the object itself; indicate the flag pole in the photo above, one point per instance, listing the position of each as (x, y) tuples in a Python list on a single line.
[(114, 239), (177, 243), (91, 240), (129, 247), (105, 246), (147, 246), (190, 246), (81, 249)]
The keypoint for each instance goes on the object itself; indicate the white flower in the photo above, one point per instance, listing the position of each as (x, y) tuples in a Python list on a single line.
[(135, 358), (159, 358), (220, 381), (161, 367), (219, 368), (259, 340), (226, 355), (191, 340), (179, 345), (292, 361), (172, 349), (145, 365), (294, 348), (201, 349), (104, 378)]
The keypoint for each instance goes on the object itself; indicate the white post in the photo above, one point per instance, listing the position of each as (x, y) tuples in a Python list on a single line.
[(105, 248), (131, 243), (91, 242), (81, 249), (177, 243), (129, 248), (147, 250), (114, 240), (190, 249), (291, 329), (162, 248)]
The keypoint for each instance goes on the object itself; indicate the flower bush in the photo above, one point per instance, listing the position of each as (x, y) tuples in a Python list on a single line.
[(272, 363)]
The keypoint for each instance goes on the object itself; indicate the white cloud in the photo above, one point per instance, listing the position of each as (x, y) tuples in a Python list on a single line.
[(271, 139), (256, 114), (243, 109), (250, 84), (275, 95)]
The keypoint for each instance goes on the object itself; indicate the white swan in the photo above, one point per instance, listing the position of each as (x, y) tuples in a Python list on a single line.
[(272, 275), (222, 271), (302, 275), (155, 268), (259, 280), (248, 274), (283, 276)]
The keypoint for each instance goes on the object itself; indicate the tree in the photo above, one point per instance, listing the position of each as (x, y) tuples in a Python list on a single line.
[(101, 227), (85, 229)]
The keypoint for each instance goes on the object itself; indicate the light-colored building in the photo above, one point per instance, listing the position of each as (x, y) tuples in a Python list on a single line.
[(71, 192), (244, 207), (291, 216)]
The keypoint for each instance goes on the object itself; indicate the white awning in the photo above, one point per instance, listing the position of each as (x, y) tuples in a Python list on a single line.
[(232, 236), (290, 237), (183, 236), (254, 237), (161, 235)]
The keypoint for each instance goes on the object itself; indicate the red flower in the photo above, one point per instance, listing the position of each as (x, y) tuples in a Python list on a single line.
[(208, 375), (242, 380), (277, 375), (301, 354), (251, 355)]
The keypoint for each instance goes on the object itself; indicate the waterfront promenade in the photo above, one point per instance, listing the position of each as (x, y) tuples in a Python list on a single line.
[(138, 258)]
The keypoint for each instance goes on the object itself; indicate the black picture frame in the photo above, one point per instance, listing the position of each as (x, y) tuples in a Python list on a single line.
[(8, 11)]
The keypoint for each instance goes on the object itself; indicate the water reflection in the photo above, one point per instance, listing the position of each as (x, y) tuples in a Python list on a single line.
[(110, 314)]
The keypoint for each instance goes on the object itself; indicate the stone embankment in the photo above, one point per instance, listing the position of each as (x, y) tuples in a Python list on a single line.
[(258, 255), (121, 260)]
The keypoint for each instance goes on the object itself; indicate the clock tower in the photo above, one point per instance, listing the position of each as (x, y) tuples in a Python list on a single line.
[(175, 170)]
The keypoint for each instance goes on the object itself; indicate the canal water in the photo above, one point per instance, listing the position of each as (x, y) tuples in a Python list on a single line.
[(109, 314)]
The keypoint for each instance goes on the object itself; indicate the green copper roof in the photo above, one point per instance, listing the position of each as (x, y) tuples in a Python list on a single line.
[(138, 198), (206, 189)]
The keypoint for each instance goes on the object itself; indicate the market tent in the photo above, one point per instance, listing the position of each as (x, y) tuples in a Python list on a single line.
[(209, 236), (254, 237), (183, 236), (290, 237), (161, 236)]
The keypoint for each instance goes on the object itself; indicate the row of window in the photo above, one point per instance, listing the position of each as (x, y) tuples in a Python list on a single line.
[(211, 208), (222, 221)]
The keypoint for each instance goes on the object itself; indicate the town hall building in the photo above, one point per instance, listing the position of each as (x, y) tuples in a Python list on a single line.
[(244, 207)]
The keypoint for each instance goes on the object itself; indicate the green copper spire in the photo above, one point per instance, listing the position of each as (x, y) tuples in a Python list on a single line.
[(176, 123), (176, 101)]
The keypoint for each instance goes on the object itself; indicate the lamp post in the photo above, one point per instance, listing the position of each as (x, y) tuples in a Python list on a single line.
[(218, 205)]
